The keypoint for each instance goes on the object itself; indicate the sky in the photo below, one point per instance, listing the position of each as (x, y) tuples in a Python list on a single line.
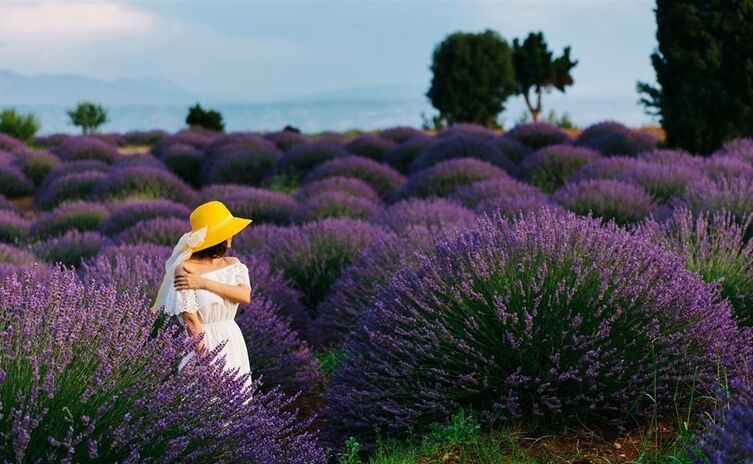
[(251, 51)]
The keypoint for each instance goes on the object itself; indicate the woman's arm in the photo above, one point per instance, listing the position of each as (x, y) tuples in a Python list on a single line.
[(194, 328), (187, 280)]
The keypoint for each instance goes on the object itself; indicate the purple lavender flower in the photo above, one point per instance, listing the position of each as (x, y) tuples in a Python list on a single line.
[(350, 185), (238, 164), (538, 135), (50, 141), (714, 246), (740, 147), (7, 205), (128, 402), (606, 168), (70, 187), (10, 254), (335, 204), (729, 431), (381, 177), (446, 177), (261, 205), (717, 167), (612, 138), (662, 181), (69, 249), (465, 146), (547, 319), (400, 134), (80, 215), (128, 268), (550, 167), (157, 231), (734, 195), (75, 167), (285, 140), (507, 196), (112, 138), (433, 213), (610, 200), (300, 159), (404, 154), (256, 237), (370, 146), (86, 148), (139, 160), (126, 214), (13, 228), (312, 256), (143, 184), (665, 157)]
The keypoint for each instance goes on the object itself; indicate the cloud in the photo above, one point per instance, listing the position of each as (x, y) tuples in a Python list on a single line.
[(49, 23)]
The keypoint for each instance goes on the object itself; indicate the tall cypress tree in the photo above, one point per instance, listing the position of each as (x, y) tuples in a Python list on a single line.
[(704, 65)]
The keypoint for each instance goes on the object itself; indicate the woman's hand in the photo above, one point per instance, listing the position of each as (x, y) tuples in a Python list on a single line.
[(189, 281)]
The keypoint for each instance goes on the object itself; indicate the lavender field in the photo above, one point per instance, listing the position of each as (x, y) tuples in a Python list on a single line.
[(538, 279)]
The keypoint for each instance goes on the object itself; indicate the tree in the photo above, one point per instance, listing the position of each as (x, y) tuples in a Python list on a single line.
[(89, 116), (206, 119), (473, 77), (17, 125), (537, 70), (704, 68)]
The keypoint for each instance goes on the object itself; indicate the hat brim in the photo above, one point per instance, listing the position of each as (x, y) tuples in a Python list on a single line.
[(223, 232)]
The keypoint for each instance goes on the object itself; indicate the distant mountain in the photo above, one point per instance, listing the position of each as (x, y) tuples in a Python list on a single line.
[(67, 89)]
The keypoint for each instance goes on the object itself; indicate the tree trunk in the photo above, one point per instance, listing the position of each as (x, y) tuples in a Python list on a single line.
[(534, 110)]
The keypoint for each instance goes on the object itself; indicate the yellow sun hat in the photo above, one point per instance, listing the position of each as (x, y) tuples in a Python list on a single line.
[(220, 223)]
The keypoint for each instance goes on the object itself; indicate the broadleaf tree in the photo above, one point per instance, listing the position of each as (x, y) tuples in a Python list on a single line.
[(536, 70), (473, 76)]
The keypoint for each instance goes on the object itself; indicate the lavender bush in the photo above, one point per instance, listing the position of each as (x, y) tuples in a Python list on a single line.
[(10, 144), (139, 160), (126, 214), (612, 138), (256, 237), (538, 135), (609, 199), (10, 254), (69, 249), (13, 228), (285, 140), (511, 148), (404, 154), (605, 168), (334, 204), (719, 167), (463, 147), (184, 161), (350, 185), (550, 167), (86, 148), (75, 167), (86, 379), (127, 268), (13, 182), (714, 246), (148, 138), (400, 134), (734, 195), (384, 179), (7, 205), (548, 319), (313, 256), (81, 216), (143, 184), (662, 181), (36, 165), (444, 178), (669, 157), (157, 231), (70, 187), (507, 196), (198, 140), (245, 160), (462, 129), (434, 213), (302, 158), (370, 146), (261, 205)]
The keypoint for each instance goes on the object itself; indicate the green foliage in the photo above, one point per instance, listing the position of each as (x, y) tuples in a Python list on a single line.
[(205, 119), (703, 66), (331, 360), (282, 183), (473, 77), (89, 116), (536, 69), (17, 125)]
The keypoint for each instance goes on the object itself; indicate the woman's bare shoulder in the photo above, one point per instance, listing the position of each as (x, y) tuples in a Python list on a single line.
[(184, 268), (230, 260)]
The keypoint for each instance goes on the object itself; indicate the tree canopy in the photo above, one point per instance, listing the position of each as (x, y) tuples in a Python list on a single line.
[(89, 116)]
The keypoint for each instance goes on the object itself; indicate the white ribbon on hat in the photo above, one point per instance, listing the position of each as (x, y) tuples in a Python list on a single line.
[(181, 252)]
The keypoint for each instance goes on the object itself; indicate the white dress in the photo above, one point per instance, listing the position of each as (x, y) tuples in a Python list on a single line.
[(217, 315)]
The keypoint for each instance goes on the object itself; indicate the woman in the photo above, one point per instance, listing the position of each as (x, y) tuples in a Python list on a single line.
[(203, 287)]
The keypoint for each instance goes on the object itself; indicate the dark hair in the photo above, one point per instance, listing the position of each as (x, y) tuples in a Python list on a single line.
[(214, 251)]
